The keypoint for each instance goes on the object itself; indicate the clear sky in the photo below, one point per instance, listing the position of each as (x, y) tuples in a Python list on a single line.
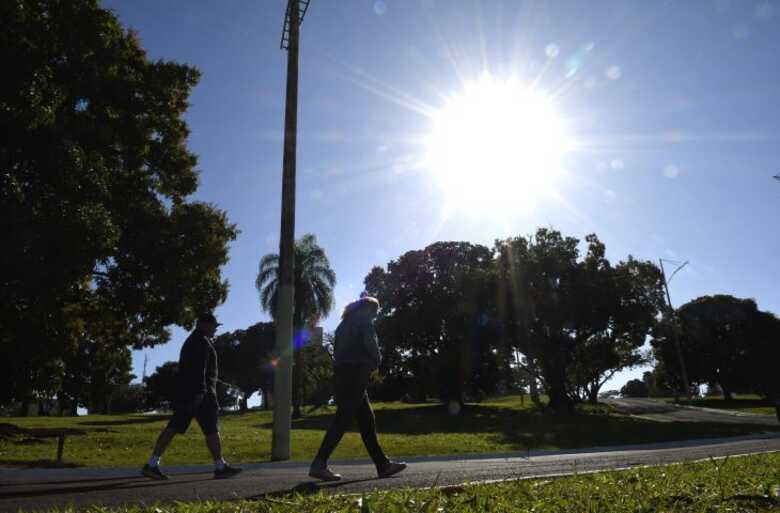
[(669, 110)]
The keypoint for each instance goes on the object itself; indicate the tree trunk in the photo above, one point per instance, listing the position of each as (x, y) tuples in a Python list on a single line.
[(297, 391), (727, 394), (593, 393), (24, 408), (534, 392), (555, 377)]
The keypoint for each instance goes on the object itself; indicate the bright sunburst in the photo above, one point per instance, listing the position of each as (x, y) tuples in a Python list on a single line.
[(496, 146)]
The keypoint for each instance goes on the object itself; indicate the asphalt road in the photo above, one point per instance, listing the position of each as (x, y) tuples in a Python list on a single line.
[(34, 489), (666, 412), (44, 488)]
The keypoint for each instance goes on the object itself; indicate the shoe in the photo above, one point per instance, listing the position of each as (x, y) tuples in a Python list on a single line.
[(323, 474), (227, 471), (391, 468), (153, 473)]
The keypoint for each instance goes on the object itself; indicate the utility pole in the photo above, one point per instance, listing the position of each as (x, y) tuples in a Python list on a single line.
[(683, 371), (280, 441)]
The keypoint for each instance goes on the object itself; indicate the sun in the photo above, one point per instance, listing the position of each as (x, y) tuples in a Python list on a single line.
[(496, 147)]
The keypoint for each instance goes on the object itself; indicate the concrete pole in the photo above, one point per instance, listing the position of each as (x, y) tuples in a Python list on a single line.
[(280, 442)]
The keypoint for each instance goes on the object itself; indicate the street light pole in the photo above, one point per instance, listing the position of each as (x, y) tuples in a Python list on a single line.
[(280, 441), (683, 371)]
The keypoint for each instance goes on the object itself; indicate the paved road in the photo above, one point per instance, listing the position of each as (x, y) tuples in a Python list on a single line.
[(43, 488), (666, 412)]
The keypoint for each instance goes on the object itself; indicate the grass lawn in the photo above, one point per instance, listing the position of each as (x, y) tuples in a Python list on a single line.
[(747, 403), (504, 424), (738, 484)]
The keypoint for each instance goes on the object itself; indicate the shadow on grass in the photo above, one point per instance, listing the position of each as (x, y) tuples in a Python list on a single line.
[(616, 430), (733, 404), (146, 419), (16, 435), (530, 429), (127, 483), (43, 463)]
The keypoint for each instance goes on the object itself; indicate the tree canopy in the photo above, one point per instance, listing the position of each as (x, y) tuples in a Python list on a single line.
[(454, 314), (101, 245), (313, 282), (726, 341), (245, 359)]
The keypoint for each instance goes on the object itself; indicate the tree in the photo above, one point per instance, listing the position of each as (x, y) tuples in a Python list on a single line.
[(537, 303), (100, 240), (313, 284), (161, 386), (436, 324), (245, 359), (634, 388), (318, 380), (764, 357), (718, 334), (578, 320), (623, 304), (127, 398)]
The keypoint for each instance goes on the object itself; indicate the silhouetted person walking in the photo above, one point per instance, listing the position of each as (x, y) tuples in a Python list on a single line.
[(196, 397), (356, 356)]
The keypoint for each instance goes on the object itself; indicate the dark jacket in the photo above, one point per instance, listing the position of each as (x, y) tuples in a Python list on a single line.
[(197, 367), (356, 341)]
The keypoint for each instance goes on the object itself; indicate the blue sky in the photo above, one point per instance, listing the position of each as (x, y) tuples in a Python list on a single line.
[(667, 105)]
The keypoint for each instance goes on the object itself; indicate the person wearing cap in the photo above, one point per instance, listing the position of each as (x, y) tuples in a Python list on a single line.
[(356, 357), (195, 397)]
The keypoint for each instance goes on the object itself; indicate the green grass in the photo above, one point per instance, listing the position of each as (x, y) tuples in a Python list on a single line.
[(738, 484), (405, 430), (747, 403)]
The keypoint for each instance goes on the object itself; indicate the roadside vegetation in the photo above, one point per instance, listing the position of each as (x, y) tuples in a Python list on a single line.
[(737, 484), (747, 403), (501, 425)]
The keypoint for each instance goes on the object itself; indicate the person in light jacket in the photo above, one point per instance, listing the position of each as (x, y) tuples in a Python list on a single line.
[(356, 357)]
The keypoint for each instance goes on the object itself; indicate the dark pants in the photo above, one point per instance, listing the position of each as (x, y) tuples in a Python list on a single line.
[(203, 408), (352, 402)]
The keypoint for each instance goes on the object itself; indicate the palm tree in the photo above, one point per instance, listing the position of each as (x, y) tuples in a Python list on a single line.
[(314, 282)]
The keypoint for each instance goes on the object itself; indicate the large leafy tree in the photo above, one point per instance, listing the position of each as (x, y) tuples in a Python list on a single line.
[(318, 381), (635, 388), (100, 242), (313, 289), (623, 304), (539, 299), (245, 359), (435, 324), (161, 386), (579, 320), (765, 357), (724, 340)]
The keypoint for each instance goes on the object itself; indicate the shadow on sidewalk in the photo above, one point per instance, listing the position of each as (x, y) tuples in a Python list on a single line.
[(125, 482), (308, 488)]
